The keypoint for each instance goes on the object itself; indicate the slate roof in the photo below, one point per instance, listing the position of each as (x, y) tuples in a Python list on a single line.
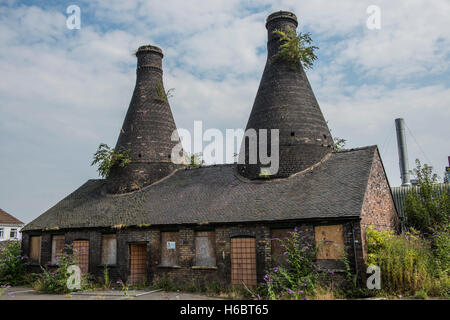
[(215, 194), (6, 218)]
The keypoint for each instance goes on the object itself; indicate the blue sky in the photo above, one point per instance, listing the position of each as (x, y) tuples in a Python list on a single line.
[(65, 91)]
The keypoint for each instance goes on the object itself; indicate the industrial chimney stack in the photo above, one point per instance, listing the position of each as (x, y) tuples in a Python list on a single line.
[(402, 152)]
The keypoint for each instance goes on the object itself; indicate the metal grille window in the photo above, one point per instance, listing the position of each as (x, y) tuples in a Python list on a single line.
[(169, 248), (138, 264), (330, 241), (205, 253), (35, 249), (109, 249), (57, 247), (81, 253), (243, 261)]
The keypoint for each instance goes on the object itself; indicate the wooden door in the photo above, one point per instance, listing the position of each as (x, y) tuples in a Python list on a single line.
[(81, 254), (243, 261), (138, 264)]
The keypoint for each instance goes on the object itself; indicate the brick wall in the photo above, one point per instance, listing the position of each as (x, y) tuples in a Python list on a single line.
[(378, 207), (186, 272)]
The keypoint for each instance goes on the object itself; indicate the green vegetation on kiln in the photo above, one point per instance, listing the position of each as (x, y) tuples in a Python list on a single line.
[(296, 48), (107, 158)]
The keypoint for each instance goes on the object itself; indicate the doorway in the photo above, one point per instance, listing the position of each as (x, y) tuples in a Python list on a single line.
[(243, 261), (138, 264)]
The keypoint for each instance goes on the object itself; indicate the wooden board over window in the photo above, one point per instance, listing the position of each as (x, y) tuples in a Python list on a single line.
[(138, 264), (205, 253), (169, 248), (35, 249), (81, 254), (109, 249), (330, 240), (243, 261), (57, 247), (277, 249)]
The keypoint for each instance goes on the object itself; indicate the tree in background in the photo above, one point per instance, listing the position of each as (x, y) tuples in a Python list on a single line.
[(427, 209)]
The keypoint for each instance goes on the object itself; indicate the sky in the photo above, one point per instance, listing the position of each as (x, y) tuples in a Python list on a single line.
[(63, 91)]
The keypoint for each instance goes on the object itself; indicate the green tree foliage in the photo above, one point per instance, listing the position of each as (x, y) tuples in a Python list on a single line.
[(425, 208), (107, 158), (296, 48), (12, 266)]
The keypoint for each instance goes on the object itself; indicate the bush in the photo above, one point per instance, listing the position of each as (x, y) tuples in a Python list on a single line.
[(12, 266), (406, 262), (56, 281), (297, 277)]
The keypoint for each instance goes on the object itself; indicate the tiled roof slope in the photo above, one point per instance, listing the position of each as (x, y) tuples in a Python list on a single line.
[(6, 218), (214, 194)]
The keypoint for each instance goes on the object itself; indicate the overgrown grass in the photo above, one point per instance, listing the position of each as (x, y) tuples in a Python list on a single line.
[(407, 263)]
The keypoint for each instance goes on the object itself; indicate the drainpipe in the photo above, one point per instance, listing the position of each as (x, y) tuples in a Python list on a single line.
[(354, 251)]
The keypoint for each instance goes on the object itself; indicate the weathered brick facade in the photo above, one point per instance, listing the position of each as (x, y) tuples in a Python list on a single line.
[(186, 272)]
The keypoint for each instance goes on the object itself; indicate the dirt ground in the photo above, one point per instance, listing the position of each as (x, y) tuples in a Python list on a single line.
[(27, 293)]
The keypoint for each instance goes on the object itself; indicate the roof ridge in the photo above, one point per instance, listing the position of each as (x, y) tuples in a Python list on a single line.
[(14, 219), (356, 149)]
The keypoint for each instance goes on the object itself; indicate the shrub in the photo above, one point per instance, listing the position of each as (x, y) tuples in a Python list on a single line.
[(296, 48), (12, 266), (107, 158), (297, 276), (56, 281)]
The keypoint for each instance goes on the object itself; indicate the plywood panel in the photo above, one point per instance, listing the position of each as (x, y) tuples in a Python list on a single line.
[(205, 253), (57, 247), (330, 240), (109, 249), (138, 264), (169, 248), (81, 254), (243, 261), (35, 249)]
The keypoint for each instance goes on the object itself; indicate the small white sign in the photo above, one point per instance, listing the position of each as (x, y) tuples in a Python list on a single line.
[(170, 245)]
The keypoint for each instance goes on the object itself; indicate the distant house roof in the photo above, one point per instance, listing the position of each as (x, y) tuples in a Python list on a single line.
[(6, 218), (215, 194)]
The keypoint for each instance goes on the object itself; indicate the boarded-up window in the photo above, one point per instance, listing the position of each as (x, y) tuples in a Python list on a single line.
[(57, 247), (169, 248), (109, 249), (35, 249), (277, 249), (243, 261), (81, 253), (330, 241), (138, 264), (205, 253)]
